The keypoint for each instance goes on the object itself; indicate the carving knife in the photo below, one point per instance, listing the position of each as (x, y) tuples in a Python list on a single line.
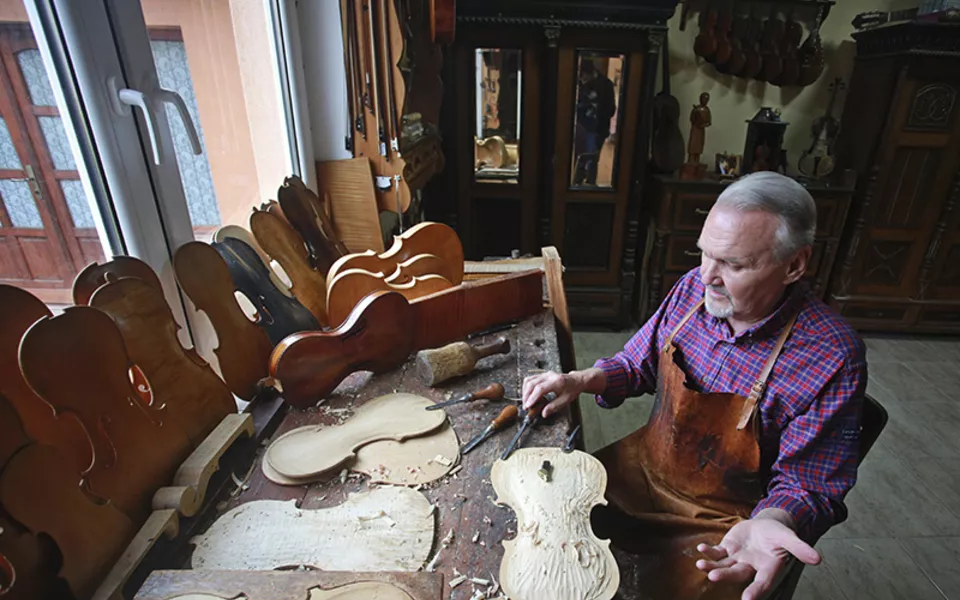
[(506, 416), (494, 391), (571, 441), (530, 419)]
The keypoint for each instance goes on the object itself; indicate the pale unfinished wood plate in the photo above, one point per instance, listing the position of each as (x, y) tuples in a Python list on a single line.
[(555, 553)]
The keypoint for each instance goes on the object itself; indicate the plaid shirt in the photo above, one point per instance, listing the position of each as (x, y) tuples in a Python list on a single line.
[(810, 411)]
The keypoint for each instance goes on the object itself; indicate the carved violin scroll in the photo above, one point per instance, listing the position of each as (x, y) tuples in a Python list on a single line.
[(555, 553)]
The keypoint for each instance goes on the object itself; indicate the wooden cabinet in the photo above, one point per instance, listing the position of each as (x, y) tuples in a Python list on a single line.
[(547, 118), (682, 207), (900, 266)]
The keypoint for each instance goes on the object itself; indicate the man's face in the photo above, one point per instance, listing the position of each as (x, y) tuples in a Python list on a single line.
[(743, 278)]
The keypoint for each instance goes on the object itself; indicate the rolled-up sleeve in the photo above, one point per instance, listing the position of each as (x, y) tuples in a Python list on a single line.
[(818, 456)]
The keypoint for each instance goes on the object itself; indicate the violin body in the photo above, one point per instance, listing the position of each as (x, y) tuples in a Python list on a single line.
[(349, 287), (555, 553), (789, 47), (753, 61), (94, 275), (277, 313), (817, 161), (303, 209), (724, 44), (810, 59), (437, 245), (770, 49), (443, 20), (667, 147), (705, 44)]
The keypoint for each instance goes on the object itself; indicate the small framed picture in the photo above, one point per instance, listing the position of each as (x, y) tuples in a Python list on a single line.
[(728, 165)]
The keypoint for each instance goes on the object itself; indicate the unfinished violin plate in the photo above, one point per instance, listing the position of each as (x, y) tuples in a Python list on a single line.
[(555, 553), (317, 449), (385, 529)]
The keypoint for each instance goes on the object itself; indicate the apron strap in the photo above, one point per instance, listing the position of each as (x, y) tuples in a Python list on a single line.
[(750, 404), (682, 322)]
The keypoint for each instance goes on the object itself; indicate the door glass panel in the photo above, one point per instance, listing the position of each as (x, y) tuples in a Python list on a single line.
[(35, 76), (219, 57), (20, 204), (596, 118), (56, 138), (173, 72), (8, 152), (77, 203), (499, 80)]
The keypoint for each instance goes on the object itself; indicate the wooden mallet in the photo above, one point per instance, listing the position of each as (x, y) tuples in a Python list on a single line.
[(459, 358)]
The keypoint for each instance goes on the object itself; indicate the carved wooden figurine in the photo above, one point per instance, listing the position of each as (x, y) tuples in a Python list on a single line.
[(700, 119)]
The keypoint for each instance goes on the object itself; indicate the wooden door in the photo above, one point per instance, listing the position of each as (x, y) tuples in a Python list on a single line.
[(47, 232), (595, 151)]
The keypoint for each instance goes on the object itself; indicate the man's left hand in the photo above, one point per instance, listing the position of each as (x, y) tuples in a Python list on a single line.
[(758, 548)]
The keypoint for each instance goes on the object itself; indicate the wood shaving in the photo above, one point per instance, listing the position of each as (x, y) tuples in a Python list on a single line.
[(480, 581), (441, 460), (476, 536), (457, 581), (456, 469), (488, 520)]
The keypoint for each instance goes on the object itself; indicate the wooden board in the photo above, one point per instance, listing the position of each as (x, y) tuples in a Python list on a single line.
[(348, 187), (553, 268), (94, 275), (195, 398), (309, 217), (385, 529), (436, 239), (160, 524), (349, 287), (311, 450), (384, 329), (40, 421), (243, 349), (78, 362), (279, 585), (284, 245), (239, 233), (38, 489), (555, 553)]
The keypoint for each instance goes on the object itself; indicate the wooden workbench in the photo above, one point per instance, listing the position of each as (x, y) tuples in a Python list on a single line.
[(464, 500)]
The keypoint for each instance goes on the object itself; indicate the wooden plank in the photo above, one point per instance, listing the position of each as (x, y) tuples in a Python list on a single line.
[(558, 300), (348, 187), (279, 585)]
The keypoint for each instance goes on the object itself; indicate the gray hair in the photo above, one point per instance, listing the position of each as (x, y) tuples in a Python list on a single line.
[(782, 196)]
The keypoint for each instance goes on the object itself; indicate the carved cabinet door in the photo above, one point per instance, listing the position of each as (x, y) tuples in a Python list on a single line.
[(909, 227)]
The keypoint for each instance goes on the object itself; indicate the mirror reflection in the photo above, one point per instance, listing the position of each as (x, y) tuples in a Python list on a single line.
[(497, 131), (596, 116)]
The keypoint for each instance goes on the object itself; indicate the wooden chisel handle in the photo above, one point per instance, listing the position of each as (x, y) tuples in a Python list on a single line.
[(500, 346), (494, 391), (506, 416)]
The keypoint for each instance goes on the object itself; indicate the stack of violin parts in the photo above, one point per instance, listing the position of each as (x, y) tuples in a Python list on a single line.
[(756, 41), (109, 432)]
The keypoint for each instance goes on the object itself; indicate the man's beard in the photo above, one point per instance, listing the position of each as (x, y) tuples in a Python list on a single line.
[(720, 311)]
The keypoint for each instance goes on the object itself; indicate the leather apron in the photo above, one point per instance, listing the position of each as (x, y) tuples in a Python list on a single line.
[(686, 477)]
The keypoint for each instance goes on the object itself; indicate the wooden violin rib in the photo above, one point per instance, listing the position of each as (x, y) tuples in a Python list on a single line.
[(243, 348), (94, 275), (348, 185), (383, 329), (195, 398), (385, 529), (555, 553), (349, 287), (78, 362), (376, 337), (38, 489), (279, 315), (281, 242), (435, 239), (239, 233), (26, 572), (41, 421), (309, 217), (317, 449)]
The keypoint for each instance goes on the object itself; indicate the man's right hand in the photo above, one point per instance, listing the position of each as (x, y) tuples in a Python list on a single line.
[(567, 387)]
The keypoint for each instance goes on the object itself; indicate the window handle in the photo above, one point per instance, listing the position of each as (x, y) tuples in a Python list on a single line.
[(176, 100), (123, 98)]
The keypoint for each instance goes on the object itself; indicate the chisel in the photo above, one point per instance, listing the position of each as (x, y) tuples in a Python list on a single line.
[(506, 416), (529, 420), (494, 391)]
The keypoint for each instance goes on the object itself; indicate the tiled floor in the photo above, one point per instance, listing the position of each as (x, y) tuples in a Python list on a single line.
[(902, 540)]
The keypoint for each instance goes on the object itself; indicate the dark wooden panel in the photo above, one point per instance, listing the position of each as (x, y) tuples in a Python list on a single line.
[(497, 227), (92, 250), (933, 108), (594, 305), (815, 264), (903, 201), (948, 316), (691, 210), (682, 254), (885, 263), (893, 314), (587, 235)]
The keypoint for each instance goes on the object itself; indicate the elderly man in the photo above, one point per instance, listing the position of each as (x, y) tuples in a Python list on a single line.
[(753, 440)]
